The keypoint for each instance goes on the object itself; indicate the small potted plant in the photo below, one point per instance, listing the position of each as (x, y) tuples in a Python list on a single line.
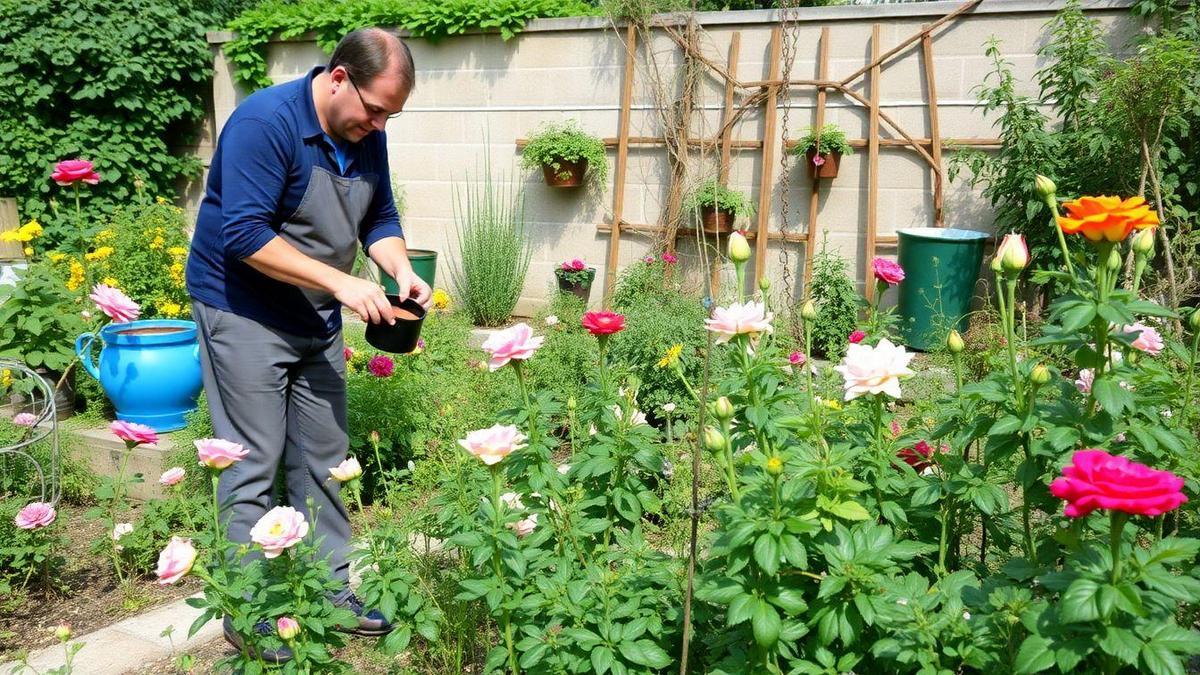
[(719, 206), (566, 154), (574, 276), (823, 159)]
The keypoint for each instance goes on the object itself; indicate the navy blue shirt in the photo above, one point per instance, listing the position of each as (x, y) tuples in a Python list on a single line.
[(269, 151)]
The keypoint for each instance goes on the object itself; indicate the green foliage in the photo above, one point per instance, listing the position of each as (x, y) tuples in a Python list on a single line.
[(833, 139), (493, 249), (570, 350), (284, 19), (40, 320), (566, 142), (836, 301), (712, 194), (158, 520), (28, 556), (119, 83)]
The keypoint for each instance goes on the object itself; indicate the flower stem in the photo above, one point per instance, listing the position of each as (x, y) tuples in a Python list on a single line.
[(1116, 525), (1187, 387), (1062, 240)]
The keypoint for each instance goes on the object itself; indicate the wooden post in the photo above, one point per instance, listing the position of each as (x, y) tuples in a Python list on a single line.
[(815, 194), (872, 162), (9, 220), (614, 238), (735, 46), (935, 133), (768, 158)]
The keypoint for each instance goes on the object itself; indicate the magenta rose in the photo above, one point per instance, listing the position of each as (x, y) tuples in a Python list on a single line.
[(71, 171), (1098, 480), (887, 271), (857, 337), (381, 366)]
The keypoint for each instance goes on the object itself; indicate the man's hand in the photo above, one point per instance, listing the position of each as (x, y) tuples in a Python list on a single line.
[(365, 298), (413, 286)]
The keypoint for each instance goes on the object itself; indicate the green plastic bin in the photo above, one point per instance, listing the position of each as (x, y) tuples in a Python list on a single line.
[(941, 266), (424, 263)]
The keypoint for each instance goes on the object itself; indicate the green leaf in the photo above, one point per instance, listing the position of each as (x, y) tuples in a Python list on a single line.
[(849, 510), (1077, 317), (766, 625), (1034, 656), (644, 653), (741, 608), (1078, 602), (1160, 660), (1111, 396), (766, 553), (1121, 643), (602, 658)]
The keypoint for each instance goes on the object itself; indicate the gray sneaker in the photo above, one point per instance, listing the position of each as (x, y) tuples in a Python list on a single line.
[(371, 622), (280, 655)]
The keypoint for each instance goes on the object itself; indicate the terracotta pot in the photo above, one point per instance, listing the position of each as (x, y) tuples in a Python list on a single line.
[(577, 170), (827, 170), (717, 222), (580, 289)]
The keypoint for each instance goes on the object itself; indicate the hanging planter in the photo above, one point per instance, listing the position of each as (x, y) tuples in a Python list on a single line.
[(823, 155), (567, 155), (718, 207)]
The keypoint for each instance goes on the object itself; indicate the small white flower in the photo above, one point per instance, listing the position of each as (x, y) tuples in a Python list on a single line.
[(85, 314), (668, 407), (1166, 413), (902, 601), (120, 530), (411, 466), (966, 616), (552, 320), (563, 469), (1120, 438)]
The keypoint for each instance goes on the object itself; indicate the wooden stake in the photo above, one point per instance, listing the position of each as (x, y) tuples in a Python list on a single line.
[(614, 239), (815, 195), (872, 161), (735, 46), (768, 158), (9, 220), (935, 132)]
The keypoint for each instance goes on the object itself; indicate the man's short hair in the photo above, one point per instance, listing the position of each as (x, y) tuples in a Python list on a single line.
[(367, 52)]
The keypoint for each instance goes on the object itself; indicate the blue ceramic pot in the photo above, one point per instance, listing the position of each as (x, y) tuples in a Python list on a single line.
[(150, 370)]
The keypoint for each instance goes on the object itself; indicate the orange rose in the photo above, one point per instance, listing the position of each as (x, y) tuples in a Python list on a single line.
[(1107, 218)]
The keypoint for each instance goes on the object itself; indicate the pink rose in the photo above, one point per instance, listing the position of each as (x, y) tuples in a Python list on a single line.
[(648, 259), (857, 337), (1098, 480), (515, 343), (874, 370), (526, 526), (35, 515), (175, 561), (603, 322), (172, 476), (818, 160), (280, 529), (493, 444), (132, 433), (217, 453), (796, 359), (24, 419), (347, 353), (381, 366), (115, 304), (669, 259), (750, 318), (578, 265), (887, 271), (71, 171), (1148, 340)]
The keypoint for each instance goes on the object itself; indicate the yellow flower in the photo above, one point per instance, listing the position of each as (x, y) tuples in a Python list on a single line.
[(171, 309), (28, 250), (176, 270), (161, 200), (441, 299), (76, 275), (157, 243), (832, 404), (56, 256), (177, 250), (16, 235), (104, 235), (33, 227), (6, 379), (671, 357), (100, 253), (110, 281)]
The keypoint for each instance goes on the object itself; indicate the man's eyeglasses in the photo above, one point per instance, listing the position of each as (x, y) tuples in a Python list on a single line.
[(372, 110)]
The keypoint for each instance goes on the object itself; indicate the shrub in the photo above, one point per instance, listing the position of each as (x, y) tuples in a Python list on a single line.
[(836, 301), (148, 245), (711, 194)]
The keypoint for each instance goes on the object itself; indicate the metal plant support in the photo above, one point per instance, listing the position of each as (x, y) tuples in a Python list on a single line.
[(39, 403)]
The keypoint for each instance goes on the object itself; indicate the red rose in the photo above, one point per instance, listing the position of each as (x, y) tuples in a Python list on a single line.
[(1098, 480), (917, 456), (71, 171), (603, 323), (857, 337)]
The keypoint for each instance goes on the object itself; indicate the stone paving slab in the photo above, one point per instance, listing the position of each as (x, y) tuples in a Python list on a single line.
[(127, 645)]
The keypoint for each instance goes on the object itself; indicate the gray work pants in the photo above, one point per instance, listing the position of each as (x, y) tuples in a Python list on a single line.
[(283, 397)]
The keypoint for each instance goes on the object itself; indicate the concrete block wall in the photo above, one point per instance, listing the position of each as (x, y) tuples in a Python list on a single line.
[(477, 94)]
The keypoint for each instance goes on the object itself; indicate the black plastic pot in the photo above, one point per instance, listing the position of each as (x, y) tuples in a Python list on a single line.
[(401, 337)]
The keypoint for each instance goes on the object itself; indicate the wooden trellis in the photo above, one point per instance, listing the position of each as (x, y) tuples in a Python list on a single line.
[(765, 93)]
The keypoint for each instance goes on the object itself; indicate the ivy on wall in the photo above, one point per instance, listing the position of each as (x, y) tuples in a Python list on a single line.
[(329, 21), (117, 82)]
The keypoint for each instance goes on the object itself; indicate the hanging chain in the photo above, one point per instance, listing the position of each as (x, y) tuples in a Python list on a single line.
[(788, 25)]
